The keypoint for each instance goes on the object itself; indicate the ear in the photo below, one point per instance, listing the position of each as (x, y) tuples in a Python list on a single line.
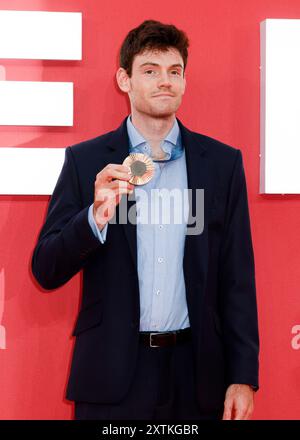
[(184, 84), (123, 80)]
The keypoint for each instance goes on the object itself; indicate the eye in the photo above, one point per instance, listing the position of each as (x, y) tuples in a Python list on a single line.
[(176, 72), (149, 71)]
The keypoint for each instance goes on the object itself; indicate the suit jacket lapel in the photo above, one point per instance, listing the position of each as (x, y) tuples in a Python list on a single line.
[(198, 176)]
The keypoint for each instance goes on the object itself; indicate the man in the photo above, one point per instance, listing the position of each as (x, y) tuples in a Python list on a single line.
[(168, 322)]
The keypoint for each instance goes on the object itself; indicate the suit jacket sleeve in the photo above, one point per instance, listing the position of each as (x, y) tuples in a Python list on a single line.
[(237, 285), (66, 240)]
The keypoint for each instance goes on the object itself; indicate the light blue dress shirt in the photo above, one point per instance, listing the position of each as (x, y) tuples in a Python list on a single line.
[(160, 235)]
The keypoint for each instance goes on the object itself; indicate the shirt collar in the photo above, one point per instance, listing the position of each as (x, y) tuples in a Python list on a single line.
[(136, 137)]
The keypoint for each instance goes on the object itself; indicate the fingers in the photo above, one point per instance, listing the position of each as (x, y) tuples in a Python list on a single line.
[(242, 409), (111, 193), (110, 184), (248, 415), (239, 414), (238, 403), (106, 201), (114, 171), (246, 411), (115, 184), (104, 180), (228, 406), (236, 410), (105, 212)]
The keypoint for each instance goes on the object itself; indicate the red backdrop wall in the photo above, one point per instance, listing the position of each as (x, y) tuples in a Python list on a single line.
[(222, 101)]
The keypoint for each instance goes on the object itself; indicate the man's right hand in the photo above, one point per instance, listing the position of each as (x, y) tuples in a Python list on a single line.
[(110, 184)]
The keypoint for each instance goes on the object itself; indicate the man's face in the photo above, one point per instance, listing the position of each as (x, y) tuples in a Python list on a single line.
[(157, 84)]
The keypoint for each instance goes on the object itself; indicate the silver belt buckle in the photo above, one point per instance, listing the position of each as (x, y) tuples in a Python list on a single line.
[(152, 345)]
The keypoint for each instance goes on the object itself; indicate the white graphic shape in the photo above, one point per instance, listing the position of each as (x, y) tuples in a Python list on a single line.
[(280, 106), (2, 328), (30, 171), (41, 35), (36, 103)]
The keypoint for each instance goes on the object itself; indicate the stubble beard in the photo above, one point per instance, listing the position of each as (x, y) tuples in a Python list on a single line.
[(156, 112)]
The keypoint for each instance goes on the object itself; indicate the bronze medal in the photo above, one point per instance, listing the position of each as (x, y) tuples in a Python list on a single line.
[(141, 167)]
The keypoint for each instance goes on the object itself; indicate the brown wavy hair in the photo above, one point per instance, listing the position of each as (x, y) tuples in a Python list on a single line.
[(152, 35)]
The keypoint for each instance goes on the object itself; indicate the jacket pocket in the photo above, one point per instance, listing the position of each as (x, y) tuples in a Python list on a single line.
[(90, 316)]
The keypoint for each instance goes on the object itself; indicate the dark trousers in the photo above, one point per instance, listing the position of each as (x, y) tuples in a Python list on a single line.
[(163, 388)]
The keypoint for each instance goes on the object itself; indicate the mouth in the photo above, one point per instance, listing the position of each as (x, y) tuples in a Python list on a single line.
[(163, 96)]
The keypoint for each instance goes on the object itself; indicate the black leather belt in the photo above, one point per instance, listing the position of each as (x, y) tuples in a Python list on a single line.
[(165, 339)]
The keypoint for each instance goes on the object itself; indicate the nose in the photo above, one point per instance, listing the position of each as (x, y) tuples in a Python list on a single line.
[(164, 80)]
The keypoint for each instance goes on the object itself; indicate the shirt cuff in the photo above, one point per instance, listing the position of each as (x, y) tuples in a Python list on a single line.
[(100, 234)]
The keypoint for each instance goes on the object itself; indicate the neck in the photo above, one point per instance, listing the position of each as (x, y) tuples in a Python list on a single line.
[(154, 130)]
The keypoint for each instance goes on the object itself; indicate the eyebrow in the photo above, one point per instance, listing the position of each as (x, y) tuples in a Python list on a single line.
[(155, 64)]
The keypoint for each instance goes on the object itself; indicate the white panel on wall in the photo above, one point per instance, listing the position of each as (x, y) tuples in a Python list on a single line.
[(36, 103), (280, 106), (30, 171), (41, 35)]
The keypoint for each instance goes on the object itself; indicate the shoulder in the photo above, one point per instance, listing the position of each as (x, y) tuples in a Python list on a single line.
[(88, 146), (214, 145), (219, 152)]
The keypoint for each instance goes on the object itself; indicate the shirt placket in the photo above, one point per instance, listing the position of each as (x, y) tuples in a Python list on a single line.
[(159, 256)]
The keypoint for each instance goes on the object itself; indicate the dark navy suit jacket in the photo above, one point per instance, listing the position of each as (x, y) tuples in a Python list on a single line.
[(218, 269)]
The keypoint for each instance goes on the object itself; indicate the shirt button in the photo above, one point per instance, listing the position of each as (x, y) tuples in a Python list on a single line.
[(160, 259), (157, 292), (160, 226)]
